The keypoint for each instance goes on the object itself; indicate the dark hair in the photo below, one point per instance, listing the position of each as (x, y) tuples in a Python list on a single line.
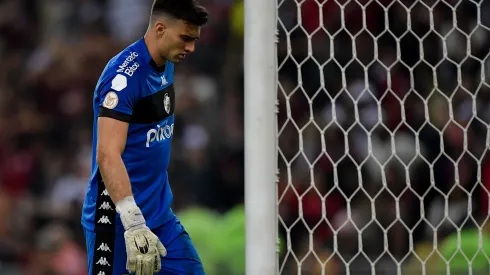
[(187, 10)]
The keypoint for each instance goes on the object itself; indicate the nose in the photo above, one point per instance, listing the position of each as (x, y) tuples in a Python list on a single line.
[(190, 47)]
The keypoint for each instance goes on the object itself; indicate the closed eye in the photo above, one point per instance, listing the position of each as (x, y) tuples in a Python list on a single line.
[(187, 38)]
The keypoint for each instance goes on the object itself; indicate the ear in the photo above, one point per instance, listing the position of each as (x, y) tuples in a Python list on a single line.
[(160, 28)]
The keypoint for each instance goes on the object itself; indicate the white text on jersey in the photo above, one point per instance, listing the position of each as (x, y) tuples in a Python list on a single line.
[(127, 67), (159, 134)]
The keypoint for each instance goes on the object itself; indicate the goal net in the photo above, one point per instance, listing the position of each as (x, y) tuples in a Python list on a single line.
[(383, 111)]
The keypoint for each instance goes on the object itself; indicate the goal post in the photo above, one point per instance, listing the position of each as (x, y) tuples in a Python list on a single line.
[(260, 136), (380, 142)]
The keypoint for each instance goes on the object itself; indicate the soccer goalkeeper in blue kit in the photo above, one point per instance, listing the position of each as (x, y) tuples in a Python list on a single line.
[(128, 223)]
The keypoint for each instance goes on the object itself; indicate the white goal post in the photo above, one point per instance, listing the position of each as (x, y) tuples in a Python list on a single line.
[(367, 136), (260, 136)]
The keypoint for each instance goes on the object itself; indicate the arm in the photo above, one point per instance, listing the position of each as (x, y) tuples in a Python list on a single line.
[(111, 139), (112, 135), (117, 98)]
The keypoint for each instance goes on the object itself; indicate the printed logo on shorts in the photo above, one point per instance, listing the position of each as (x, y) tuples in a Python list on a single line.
[(103, 261), (104, 247), (104, 220), (105, 206)]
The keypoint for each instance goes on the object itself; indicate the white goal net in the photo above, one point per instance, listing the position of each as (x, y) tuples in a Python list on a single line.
[(383, 134)]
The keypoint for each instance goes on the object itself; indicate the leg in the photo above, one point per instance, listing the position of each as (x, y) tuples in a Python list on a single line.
[(182, 257), (106, 253)]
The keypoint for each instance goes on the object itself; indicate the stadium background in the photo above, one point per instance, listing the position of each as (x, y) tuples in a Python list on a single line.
[(52, 53)]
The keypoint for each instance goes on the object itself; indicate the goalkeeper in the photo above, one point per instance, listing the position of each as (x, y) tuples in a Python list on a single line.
[(129, 226)]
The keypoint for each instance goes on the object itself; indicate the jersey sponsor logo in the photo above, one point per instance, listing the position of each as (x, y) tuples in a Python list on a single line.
[(103, 261), (129, 66), (111, 100), (105, 206), (104, 220), (119, 82), (161, 133), (104, 247)]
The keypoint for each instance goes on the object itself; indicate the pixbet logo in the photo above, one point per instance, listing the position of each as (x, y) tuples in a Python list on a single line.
[(161, 133)]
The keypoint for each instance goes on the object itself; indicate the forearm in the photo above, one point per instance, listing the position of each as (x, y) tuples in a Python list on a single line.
[(115, 177), (118, 186)]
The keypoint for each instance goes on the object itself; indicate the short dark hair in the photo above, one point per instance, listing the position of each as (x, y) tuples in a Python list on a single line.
[(186, 10)]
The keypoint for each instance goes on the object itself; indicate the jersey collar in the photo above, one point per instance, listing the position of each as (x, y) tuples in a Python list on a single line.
[(146, 57)]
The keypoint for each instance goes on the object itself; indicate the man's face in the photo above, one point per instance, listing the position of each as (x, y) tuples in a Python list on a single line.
[(178, 40)]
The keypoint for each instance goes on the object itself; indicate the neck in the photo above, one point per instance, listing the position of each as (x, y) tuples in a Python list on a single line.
[(153, 50)]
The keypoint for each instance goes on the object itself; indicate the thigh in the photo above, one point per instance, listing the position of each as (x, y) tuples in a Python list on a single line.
[(106, 253), (182, 257)]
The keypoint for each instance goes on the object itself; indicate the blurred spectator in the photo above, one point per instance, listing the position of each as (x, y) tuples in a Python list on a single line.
[(55, 252)]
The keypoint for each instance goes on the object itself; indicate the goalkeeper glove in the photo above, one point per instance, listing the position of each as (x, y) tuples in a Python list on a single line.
[(143, 248)]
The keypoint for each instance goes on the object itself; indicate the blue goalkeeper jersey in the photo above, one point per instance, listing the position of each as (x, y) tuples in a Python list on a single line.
[(133, 89)]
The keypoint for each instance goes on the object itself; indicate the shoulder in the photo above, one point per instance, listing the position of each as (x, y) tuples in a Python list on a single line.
[(122, 71), (127, 63)]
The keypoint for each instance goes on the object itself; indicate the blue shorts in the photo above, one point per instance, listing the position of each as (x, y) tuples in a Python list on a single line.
[(107, 252)]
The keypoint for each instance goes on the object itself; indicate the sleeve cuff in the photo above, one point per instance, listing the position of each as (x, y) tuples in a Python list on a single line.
[(105, 112)]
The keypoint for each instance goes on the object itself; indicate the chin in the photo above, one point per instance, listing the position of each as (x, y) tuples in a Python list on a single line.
[(177, 59)]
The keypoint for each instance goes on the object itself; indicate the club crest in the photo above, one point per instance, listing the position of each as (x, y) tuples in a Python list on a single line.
[(166, 103)]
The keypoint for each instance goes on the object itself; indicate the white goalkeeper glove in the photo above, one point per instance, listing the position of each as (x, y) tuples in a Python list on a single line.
[(143, 248)]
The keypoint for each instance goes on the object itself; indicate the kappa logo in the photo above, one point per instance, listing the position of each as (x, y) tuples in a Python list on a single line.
[(104, 193), (164, 80), (104, 220), (101, 273), (105, 206), (104, 247), (103, 261)]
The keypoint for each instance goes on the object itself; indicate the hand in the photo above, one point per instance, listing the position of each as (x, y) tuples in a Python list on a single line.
[(143, 248)]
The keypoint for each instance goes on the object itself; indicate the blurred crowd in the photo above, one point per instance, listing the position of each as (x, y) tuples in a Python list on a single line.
[(383, 136), (51, 55), (382, 127)]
